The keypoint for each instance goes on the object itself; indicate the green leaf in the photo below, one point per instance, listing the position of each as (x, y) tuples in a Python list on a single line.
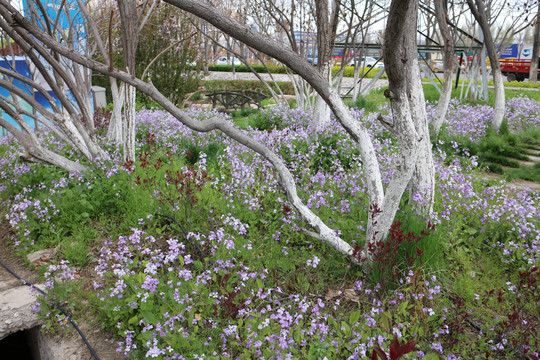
[(133, 320), (403, 307), (385, 321), (150, 317), (355, 316), (348, 331), (141, 278), (297, 336), (259, 283)]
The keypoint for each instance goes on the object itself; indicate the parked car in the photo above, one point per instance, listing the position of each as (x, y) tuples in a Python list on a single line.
[(223, 60), (368, 61)]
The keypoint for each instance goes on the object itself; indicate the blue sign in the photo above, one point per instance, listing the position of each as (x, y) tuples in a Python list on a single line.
[(510, 52)]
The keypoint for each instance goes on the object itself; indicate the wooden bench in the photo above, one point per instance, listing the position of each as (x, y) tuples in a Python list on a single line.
[(236, 99)]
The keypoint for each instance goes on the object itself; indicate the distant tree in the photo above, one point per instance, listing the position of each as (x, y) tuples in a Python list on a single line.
[(169, 51)]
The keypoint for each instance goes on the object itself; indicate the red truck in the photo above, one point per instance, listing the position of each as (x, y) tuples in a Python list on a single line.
[(515, 69)]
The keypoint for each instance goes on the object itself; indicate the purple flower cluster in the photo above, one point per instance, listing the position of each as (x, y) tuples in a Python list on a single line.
[(522, 113), (464, 121), (470, 122)]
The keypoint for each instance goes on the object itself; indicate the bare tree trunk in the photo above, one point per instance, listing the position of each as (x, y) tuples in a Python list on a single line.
[(408, 107), (478, 10), (130, 38), (448, 64), (322, 110), (533, 75)]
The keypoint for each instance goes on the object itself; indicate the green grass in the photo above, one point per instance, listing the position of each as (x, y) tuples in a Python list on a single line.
[(372, 101), (375, 98), (501, 153), (525, 173)]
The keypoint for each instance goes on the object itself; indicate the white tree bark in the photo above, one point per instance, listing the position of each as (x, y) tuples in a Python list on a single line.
[(500, 105), (28, 139), (129, 123), (130, 37), (115, 132), (422, 185), (408, 107), (322, 110)]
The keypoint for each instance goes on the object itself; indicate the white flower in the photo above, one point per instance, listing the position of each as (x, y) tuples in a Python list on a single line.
[(313, 262)]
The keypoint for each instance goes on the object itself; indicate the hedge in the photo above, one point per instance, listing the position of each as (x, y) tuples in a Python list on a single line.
[(277, 69), (274, 69)]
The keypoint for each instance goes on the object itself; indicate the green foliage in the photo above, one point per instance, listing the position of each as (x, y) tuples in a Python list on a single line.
[(261, 122), (529, 138), (171, 73), (372, 101), (331, 154), (274, 69), (243, 113), (525, 173), (143, 102), (465, 252)]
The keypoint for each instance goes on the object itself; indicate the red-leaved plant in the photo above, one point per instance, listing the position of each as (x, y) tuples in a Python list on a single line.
[(386, 252), (397, 350)]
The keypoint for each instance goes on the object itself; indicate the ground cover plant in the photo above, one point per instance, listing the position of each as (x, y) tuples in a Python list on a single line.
[(192, 252), (467, 132)]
